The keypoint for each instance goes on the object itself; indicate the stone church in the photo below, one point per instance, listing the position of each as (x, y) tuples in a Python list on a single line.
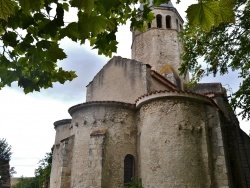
[(141, 122)]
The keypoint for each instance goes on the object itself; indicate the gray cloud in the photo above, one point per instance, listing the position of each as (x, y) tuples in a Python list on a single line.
[(86, 65), (81, 59), (230, 81)]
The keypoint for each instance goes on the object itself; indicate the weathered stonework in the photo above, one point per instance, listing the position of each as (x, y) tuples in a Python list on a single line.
[(139, 122), (104, 135), (160, 46), (170, 144), (131, 78)]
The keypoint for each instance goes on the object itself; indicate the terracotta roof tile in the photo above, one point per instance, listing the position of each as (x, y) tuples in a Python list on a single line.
[(181, 92), (73, 108)]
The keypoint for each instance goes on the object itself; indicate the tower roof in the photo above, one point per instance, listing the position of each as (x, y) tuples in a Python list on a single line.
[(166, 5)]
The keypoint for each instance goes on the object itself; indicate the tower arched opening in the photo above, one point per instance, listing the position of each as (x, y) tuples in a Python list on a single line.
[(159, 21), (168, 22)]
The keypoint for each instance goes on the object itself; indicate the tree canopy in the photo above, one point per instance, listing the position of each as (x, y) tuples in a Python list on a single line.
[(5, 156), (31, 31), (42, 175), (224, 48)]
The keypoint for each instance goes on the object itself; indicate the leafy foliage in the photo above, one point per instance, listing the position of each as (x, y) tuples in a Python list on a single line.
[(27, 183), (135, 183), (42, 175), (5, 150), (223, 48), (211, 13), (31, 32), (12, 171), (5, 155), (43, 170)]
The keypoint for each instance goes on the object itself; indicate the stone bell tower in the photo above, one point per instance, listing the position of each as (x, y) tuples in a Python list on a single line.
[(160, 46)]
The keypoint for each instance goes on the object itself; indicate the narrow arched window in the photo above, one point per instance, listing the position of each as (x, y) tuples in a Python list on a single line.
[(128, 168), (158, 20), (168, 22), (177, 25), (149, 25)]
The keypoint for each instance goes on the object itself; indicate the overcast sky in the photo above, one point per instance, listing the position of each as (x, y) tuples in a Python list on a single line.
[(27, 120)]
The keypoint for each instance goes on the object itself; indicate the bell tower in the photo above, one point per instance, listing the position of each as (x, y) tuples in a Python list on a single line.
[(160, 46)]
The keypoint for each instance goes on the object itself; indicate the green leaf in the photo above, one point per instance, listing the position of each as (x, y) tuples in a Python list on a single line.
[(65, 6), (211, 13), (86, 5), (109, 4), (226, 11), (50, 28), (10, 39), (43, 44), (26, 84), (28, 5), (48, 66), (202, 14), (1, 30), (27, 20), (54, 53), (7, 8), (91, 25), (70, 31), (157, 2), (4, 62), (10, 77), (22, 61)]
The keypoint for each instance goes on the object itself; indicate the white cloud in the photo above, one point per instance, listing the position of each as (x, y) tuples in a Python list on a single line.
[(27, 120)]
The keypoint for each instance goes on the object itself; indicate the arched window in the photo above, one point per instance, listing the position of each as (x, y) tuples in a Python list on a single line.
[(168, 22), (128, 168), (177, 25), (158, 20), (149, 25), (180, 27)]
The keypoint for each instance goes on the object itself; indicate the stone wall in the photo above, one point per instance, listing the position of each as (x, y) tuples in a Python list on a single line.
[(216, 147), (60, 166), (124, 80), (66, 156), (171, 150), (177, 139), (180, 142), (120, 80), (104, 135), (95, 157), (157, 47)]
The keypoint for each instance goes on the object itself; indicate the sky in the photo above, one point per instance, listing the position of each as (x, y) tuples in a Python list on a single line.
[(27, 120)]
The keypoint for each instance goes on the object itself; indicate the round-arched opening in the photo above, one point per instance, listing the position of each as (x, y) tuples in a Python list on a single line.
[(159, 21), (168, 22), (129, 168)]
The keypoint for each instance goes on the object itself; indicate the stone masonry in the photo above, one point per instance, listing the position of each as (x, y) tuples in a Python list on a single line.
[(139, 122)]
